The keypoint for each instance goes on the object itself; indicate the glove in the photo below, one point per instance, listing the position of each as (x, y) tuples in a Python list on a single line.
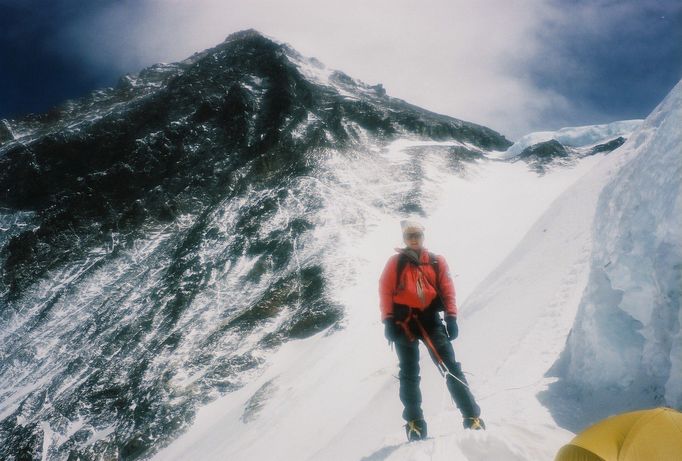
[(391, 329), (451, 325)]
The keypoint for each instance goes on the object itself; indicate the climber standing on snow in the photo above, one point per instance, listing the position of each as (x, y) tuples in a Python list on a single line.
[(414, 287)]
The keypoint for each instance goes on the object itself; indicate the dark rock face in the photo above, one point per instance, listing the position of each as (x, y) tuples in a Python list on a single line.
[(608, 146), (122, 209), (544, 155), (545, 150), (541, 155), (5, 132), (237, 103)]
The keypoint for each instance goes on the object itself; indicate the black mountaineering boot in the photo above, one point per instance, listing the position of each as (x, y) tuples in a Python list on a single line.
[(415, 430), (475, 424)]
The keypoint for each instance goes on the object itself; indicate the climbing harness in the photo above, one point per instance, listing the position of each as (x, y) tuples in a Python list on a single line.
[(438, 360)]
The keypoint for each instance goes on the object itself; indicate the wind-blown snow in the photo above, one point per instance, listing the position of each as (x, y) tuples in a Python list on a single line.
[(581, 136)]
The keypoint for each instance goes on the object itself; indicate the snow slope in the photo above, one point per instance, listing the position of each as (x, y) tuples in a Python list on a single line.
[(336, 396), (520, 248)]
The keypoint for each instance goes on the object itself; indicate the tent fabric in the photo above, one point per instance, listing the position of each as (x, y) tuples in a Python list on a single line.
[(646, 435), (575, 453)]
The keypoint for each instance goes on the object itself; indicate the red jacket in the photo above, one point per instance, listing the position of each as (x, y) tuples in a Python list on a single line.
[(406, 292)]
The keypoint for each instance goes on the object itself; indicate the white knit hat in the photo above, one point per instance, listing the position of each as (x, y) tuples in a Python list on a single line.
[(411, 225)]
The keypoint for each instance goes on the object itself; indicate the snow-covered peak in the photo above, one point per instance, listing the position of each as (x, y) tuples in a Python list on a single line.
[(317, 72), (248, 33), (580, 136), (310, 67)]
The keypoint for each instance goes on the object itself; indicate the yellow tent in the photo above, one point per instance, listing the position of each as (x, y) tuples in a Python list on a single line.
[(647, 435)]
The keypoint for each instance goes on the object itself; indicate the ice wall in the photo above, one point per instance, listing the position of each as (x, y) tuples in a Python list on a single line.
[(625, 348)]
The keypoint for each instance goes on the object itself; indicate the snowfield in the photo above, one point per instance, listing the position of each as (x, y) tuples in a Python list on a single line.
[(530, 257)]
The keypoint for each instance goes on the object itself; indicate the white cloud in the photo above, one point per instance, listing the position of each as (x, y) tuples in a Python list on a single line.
[(456, 57)]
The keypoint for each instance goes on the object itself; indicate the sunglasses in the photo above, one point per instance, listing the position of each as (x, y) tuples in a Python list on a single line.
[(413, 235)]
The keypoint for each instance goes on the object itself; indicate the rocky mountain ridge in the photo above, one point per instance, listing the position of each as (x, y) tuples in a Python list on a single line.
[(107, 162), (160, 237)]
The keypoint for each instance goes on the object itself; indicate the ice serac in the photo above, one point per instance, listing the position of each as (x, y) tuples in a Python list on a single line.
[(161, 238), (625, 348)]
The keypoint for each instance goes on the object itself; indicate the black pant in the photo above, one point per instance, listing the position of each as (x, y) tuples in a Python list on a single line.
[(408, 357)]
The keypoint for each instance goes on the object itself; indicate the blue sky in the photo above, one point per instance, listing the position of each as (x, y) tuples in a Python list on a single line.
[(515, 66)]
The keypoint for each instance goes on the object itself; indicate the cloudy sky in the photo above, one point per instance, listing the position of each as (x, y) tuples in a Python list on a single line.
[(515, 66)]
